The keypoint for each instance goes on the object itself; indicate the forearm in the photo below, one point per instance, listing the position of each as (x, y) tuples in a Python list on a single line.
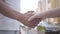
[(50, 13), (9, 12)]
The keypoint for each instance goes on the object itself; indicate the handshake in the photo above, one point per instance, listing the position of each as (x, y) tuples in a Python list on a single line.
[(31, 23)]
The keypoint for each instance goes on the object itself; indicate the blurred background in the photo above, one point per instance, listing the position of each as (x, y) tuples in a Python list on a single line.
[(46, 26)]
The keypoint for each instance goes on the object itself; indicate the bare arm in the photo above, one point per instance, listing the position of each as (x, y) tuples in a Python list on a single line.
[(9, 12), (53, 13)]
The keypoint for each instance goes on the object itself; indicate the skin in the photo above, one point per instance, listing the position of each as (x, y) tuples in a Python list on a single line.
[(53, 13), (23, 18)]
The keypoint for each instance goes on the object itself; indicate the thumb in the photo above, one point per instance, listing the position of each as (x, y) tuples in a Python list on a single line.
[(32, 17)]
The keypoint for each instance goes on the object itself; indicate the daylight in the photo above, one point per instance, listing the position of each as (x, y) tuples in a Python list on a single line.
[(27, 5)]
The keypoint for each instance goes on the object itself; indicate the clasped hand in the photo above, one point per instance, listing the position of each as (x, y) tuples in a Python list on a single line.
[(33, 22)]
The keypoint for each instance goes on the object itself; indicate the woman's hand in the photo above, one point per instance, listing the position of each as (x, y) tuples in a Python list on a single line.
[(36, 15)]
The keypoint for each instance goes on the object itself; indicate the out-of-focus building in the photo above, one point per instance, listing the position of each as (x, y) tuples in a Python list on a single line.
[(44, 5)]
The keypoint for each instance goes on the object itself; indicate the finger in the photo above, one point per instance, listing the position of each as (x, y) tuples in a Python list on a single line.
[(31, 18), (29, 12)]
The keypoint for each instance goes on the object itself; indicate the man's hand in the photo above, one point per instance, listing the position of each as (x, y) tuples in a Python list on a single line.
[(9, 12), (32, 23)]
